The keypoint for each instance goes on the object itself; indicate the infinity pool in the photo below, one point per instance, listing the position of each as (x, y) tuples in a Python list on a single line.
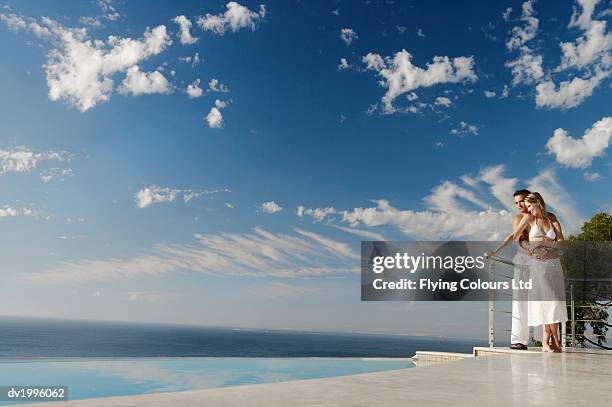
[(88, 378)]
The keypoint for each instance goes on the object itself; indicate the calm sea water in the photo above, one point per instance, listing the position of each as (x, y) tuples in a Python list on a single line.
[(29, 337)]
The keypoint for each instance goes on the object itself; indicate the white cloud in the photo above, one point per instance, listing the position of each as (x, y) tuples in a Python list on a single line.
[(235, 18), (527, 68), (8, 211), (215, 86), (154, 194), (412, 96), (489, 94), (401, 76), (420, 33), (13, 21), (256, 254), (194, 60), (137, 82), (17, 23), (56, 173), (318, 214), (271, 207), (108, 8), (90, 21), (505, 92), (592, 48), (229, 205), (582, 19), (184, 27), (40, 31), (520, 35), (443, 101), (193, 89), (465, 128), (22, 159), (80, 70), (569, 94), (455, 212), (348, 35), (214, 117), (343, 64), (579, 153), (434, 225), (500, 187), (591, 176), (448, 197)]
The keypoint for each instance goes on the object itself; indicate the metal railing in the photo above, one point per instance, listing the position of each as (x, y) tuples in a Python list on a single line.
[(572, 308)]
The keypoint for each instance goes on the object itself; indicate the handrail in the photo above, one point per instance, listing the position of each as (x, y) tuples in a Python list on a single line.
[(571, 305)]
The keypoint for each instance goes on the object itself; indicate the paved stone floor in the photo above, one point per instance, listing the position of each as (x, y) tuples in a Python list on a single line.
[(539, 379)]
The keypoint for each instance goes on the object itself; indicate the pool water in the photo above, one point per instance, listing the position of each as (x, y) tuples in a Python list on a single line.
[(88, 378)]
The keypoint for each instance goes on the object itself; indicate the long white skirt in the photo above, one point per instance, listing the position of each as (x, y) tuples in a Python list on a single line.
[(547, 297)]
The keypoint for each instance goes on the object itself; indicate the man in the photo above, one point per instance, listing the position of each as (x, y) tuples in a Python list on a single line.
[(519, 337)]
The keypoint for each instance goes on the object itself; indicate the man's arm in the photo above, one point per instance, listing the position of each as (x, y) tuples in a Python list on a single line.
[(522, 225), (509, 238)]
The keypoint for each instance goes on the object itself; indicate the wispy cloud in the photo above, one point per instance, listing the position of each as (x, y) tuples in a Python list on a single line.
[(154, 194), (360, 232), (257, 254), (455, 211), (22, 159)]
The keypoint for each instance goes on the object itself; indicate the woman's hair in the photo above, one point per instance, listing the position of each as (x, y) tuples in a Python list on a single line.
[(535, 197)]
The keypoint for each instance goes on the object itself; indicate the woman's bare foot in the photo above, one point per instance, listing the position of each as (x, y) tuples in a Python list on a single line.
[(546, 348), (555, 345)]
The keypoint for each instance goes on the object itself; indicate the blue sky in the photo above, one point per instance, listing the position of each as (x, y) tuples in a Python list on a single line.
[(242, 202)]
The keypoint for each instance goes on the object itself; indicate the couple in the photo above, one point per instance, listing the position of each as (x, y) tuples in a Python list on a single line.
[(537, 232)]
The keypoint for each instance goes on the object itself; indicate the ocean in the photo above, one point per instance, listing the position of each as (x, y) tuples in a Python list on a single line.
[(34, 337)]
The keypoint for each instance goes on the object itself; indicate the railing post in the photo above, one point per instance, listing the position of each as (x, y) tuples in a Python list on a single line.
[(564, 333), (491, 306), (573, 313)]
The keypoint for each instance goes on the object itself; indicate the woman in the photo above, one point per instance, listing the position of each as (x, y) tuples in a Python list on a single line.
[(547, 306)]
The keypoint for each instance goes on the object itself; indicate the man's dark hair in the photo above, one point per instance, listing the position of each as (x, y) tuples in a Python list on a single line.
[(523, 192)]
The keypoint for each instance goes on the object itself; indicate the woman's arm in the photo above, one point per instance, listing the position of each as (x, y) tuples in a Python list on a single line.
[(558, 231), (554, 221)]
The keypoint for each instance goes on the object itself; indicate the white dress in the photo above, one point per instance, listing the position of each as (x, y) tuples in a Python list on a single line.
[(547, 297)]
